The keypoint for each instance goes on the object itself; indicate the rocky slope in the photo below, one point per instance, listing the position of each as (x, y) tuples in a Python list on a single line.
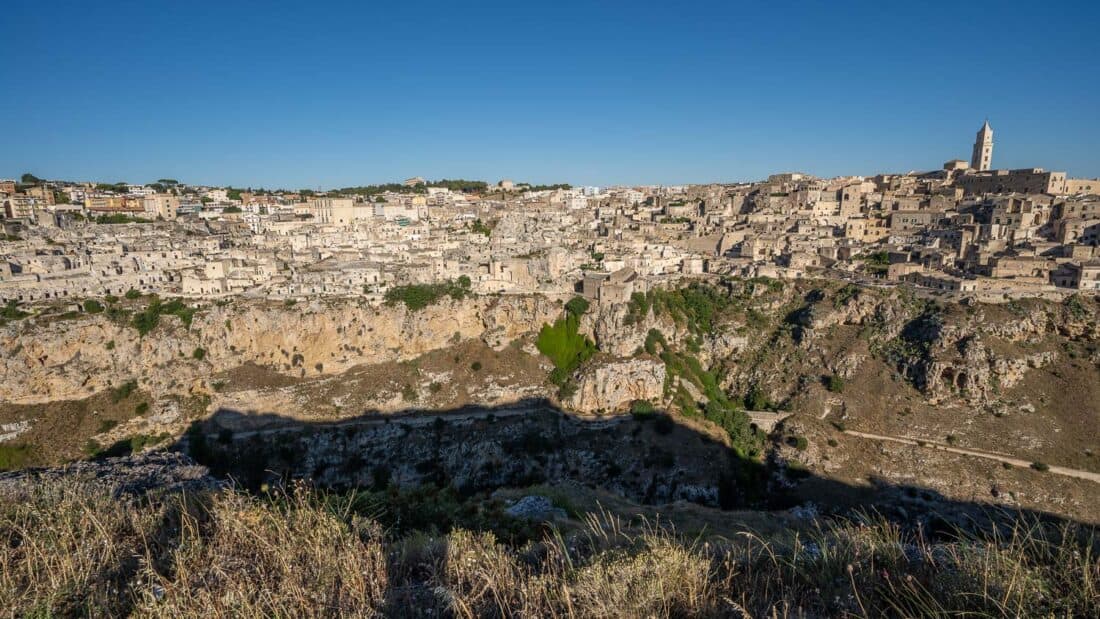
[(48, 360)]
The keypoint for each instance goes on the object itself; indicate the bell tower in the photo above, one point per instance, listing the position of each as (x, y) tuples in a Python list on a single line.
[(982, 158)]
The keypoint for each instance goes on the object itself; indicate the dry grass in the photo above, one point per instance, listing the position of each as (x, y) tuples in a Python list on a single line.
[(68, 551)]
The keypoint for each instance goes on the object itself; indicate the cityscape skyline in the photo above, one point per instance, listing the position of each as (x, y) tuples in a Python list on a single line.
[(586, 95)]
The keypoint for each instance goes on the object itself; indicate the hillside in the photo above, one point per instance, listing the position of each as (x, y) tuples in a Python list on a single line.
[(712, 425)]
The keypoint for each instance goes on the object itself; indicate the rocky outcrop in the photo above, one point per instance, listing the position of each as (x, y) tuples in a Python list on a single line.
[(480, 449), (45, 360), (612, 386), (121, 478)]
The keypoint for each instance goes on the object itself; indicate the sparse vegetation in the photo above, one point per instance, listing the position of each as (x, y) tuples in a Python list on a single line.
[(479, 227), (11, 311), (120, 218), (418, 296), (13, 456), (123, 391), (834, 383), (198, 354), (643, 410), (147, 319)]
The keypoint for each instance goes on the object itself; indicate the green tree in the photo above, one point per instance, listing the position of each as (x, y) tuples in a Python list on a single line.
[(29, 179)]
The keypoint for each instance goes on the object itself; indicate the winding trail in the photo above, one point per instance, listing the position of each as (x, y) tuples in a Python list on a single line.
[(1058, 470)]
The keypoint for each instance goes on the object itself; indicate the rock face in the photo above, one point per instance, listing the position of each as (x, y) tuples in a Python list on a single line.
[(122, 478), (43, 361), (537, 508), (612, 386), (482, 449)]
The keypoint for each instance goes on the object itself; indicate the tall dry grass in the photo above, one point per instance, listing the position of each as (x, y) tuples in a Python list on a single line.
[(67, 551)]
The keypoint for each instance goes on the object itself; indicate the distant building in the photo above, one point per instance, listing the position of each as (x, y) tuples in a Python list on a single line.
[(414, 181), (161, 206), (982, 157), (1026, 180)]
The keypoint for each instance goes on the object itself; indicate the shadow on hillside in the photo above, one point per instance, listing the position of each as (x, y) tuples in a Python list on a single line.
[(477, 449)]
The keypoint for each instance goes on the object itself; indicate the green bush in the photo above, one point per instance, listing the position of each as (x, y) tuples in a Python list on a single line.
[(834, 383), (11, 311), (757, 400), (92, 306), (198, 354), (1040, 466), (565, 347), (798, 442), (418, 296), (132, 294), (147, 319), (476, 366), (577, 306), (643, 410)]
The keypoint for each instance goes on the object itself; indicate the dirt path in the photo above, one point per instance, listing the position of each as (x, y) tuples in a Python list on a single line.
[(1058, 470)]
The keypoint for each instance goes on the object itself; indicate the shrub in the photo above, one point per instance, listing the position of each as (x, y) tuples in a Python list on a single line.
[(577, 306), (147, 319), (834, 383), (756, 399), (798, 442), (198, 354), (476, 366), (92, 306), (566, 348), (123, 391), (1040, 466), (132, 294), (418, 296), (642, 410), (11, 311)]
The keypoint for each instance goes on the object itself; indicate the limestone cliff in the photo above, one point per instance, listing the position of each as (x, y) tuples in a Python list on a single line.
[(44, 360), (607, 386)]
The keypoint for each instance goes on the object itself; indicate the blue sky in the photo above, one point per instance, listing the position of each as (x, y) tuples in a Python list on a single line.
[(333, 94)]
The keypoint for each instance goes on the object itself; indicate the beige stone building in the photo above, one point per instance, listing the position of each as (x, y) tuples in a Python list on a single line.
[(1026, 180), (982, 157)]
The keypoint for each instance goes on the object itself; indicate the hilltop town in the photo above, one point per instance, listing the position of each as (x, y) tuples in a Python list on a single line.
[(967, 228)]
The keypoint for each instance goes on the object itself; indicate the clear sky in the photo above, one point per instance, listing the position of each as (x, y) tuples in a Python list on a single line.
[(324, 94)]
